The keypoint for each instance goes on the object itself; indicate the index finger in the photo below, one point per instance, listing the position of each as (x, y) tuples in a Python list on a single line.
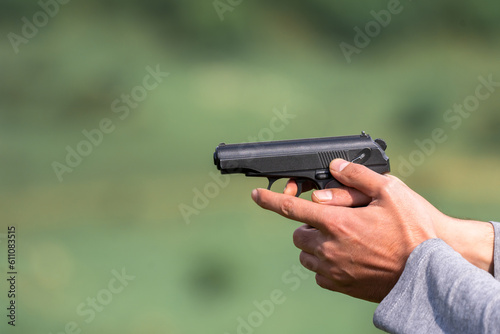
[(291, 187), (299, 209)]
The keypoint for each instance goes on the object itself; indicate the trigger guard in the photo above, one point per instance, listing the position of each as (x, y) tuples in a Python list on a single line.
[(333, 184), (271, 182)]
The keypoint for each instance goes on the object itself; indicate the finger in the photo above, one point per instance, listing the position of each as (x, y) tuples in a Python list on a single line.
[(291, 187), (307, 238), (324, 270), (309, 261), (358, 176), (326, 283), (298, 209), (343, 196), (313, 263)]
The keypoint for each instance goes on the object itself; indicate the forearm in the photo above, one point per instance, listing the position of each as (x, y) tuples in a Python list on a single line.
[(474, 240), (440, 292)]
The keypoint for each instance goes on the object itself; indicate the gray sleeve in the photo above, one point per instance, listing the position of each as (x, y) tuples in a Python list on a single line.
[(440, 292), (496, 255)]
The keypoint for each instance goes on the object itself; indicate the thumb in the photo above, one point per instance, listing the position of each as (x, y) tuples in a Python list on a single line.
[(358, 176)]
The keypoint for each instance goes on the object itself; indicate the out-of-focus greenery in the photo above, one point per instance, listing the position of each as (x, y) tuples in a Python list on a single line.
[(120, 208)]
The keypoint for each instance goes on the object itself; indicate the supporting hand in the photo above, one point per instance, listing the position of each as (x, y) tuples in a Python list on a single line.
[(359, 251)]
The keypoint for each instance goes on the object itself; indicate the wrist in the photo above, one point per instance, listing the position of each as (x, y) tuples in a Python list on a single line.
[(474, 240)]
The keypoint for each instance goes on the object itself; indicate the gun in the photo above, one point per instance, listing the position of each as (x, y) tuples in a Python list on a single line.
[(303, 159)]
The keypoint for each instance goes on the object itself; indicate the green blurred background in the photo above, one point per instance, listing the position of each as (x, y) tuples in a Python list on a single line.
[(202, 264)]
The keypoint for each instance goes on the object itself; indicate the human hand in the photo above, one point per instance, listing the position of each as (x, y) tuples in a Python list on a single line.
[(474, 240), (360, 251)]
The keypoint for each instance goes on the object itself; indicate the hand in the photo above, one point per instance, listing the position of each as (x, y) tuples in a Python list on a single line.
[(474, 240), (358, 251)]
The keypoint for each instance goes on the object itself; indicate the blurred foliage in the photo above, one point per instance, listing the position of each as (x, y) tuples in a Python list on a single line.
[(120, 206)]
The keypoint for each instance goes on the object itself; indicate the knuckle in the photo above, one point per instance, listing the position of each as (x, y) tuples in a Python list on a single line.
[(320, 252), (354, 170), (389, 186), (287, 207), (393, 181), (394, 178), (327, 253), (335, 275)]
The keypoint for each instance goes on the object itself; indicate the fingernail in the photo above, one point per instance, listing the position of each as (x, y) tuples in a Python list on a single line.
[(255, 195), (323, 195), (339, 164)]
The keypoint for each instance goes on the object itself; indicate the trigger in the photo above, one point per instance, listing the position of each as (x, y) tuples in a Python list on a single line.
[(299, 187), (271, 181)]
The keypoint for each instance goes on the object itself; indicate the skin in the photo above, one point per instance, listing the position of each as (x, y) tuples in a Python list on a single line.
[(357, 238)]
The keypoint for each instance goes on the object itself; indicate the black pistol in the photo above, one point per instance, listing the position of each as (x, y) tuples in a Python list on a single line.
[(303, 159)]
